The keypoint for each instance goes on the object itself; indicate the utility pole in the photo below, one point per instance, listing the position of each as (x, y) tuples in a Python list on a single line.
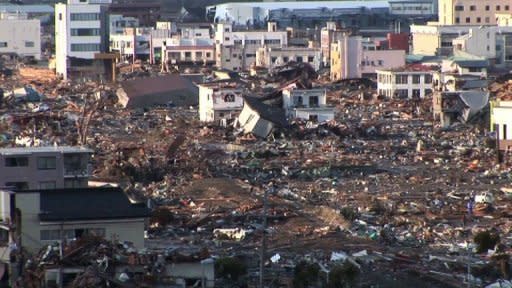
[(264, 239)]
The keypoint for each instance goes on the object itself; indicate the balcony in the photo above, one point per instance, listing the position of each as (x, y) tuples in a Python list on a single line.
[(75, 171)]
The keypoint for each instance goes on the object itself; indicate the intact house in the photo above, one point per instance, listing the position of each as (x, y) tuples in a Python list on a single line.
[(307, 104), (178, 51), (236, 50), (49, 167), (501, 123), (272, 57), (220, 101), (355, 57), (260, 119), (168, 90), (407, 82), (34, 218)]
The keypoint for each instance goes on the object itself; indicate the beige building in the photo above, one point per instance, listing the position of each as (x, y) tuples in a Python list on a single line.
[(273, 57), (471, 12), (44, 167), (355, 57), (35, 218)]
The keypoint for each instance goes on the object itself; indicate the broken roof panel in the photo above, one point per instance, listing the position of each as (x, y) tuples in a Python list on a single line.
[(267, 112)]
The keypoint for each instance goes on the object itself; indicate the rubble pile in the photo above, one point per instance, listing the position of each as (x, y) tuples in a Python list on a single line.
[(381, 186)]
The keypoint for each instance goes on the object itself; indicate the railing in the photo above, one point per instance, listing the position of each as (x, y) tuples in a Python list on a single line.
[(81, 171)]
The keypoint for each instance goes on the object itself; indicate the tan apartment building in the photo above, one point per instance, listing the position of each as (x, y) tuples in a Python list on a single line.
[(49, 167), (471, 12)]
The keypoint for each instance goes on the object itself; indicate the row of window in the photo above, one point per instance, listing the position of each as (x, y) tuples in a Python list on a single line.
[(28, 44), (68, 183), (299, 59), (487, 8), (198, 54), (404, 93), (59, 234), (478, 20), (83, 16), (43, 163), (404, 79), (85, 47), (85, 32)]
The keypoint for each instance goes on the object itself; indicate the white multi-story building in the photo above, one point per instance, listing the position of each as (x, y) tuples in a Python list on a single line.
[(273, 57), (307, 104), (220, 100), (180, 51), (20, 36), (132, 43), (80, 32), (411, 82), (237, 50), (119, 22)]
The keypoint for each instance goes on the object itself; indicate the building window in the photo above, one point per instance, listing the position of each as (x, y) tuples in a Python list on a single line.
[(3, 44), (313, 101), (226, 38), (416, 93), (474, 69), (16, 161), (59, 234), (60, 16), (273, 60), (188, 54), (47, 185), (416, 79), (208, 54), (272, 41), (507, 7), (428, 79), (457, 20), (250, 55), (498, 7), (85, 47), (299, 59), (472, 8), (199, 54), (402, 93), (478, 20), (487, 8), (229, 98), (311, 59), (85, 32), (285, 59), (380, 62), (237, 42), (468, 20), (487, 20), (17, 185), (73, 183), (226, 29), (85, 16), (401, 79), (46, 163), (459, 8)]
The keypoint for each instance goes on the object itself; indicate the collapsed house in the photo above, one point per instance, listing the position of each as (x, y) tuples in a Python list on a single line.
[(173, 89), (260, 119), (461, 106)]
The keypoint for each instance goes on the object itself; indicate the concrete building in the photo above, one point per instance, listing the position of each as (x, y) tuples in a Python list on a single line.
[(44, 167), (328, 35), (81, 31), (35, 218), (220, 101), (355, 57), (412, 7), (408, 82), (471, 12), (444, 40), (178, 51), (236, 50), (307, 104), (501, 123), (132, 43), (272, 57), (118, 23), (20, 36), (504, 19)]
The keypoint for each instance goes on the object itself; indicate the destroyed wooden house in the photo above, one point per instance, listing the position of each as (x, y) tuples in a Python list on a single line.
[(169, 90), (260, 119), (458, 106)]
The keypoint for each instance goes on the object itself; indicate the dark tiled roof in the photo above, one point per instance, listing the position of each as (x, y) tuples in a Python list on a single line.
[(160, 90), (88, 204), (472, 63), (267, 112)]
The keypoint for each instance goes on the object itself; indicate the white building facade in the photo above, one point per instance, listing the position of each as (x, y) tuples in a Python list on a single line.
[(310, 104), (273, 57), (404, 84), (132, 43), (219, 101), (236, 51), (80, 32), (20, 36)]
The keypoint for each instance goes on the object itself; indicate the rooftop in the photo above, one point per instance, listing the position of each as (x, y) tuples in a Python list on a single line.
[(44, 149)]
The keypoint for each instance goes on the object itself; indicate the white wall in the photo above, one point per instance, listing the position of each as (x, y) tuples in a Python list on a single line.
[(16, 33)]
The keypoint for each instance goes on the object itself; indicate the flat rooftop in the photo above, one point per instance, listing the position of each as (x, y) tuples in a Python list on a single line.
[(44, 149)]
